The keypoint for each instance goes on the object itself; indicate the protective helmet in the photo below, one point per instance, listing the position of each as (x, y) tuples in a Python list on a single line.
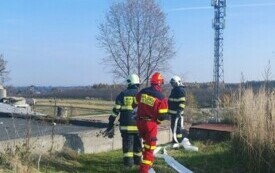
[(157, 79), (176, 81), (132, 79)]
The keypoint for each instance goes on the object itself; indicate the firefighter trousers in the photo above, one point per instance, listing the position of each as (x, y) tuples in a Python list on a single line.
[(131, 147), (148, 131), (180, 132)]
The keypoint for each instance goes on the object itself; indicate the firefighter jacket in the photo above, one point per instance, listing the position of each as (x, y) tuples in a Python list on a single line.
[(124, 105), (152, 104), (176, 100)]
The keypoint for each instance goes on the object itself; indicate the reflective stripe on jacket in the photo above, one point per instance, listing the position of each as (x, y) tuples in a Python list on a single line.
[(124, 105), (176, 100), (151, 104)]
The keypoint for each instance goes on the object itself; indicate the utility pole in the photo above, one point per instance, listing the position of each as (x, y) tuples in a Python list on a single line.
[(218, 71)]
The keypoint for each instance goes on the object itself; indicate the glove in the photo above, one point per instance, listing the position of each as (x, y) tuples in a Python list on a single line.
[(109, 132)]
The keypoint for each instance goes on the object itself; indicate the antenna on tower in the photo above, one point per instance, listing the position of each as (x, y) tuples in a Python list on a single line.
[(218, 71)]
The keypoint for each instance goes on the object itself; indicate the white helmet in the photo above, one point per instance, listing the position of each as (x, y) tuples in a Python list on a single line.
[(176, 81), (132, 79)]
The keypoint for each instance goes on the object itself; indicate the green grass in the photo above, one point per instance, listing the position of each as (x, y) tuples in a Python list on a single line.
[(88, 163), (211, 158)]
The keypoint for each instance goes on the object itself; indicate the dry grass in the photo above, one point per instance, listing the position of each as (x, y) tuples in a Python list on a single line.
[(17, 160), (255, 139)]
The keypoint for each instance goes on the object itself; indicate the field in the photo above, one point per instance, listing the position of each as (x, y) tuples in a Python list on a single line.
[(74, 107), (251, 149), (89, 107)]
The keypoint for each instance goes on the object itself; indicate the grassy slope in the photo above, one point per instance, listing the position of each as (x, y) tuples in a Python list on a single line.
[(210, 158)]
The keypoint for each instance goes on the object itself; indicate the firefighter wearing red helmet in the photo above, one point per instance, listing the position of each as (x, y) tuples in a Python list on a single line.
[(152, 109)]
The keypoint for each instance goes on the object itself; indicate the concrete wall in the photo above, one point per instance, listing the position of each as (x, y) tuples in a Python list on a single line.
[(82, 142)]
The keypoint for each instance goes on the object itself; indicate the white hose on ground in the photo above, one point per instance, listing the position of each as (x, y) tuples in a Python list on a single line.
[(187, 145), (171, 161), (185, 141)]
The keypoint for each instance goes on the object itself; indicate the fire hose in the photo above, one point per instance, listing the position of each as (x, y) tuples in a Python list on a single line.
[(185, 142), (170, 161)]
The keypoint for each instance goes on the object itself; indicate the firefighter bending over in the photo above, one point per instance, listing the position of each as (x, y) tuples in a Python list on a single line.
[(125, 103), (152, 109), (176, 104)]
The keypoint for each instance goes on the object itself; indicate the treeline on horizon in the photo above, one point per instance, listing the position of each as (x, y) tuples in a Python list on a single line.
[(200, 93)]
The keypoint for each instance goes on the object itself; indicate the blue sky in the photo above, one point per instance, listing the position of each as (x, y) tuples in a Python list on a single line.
[(53, 42)]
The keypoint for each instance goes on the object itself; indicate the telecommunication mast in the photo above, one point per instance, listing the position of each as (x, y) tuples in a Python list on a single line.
[(218, 70)]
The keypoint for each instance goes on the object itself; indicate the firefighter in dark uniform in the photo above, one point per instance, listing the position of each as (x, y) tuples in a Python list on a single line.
[(176, 106), (125, 104)]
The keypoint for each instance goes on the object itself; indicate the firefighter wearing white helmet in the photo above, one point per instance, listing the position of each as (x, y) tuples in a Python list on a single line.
[(176, 106), (133, 79), (124, 106), (176, 81)]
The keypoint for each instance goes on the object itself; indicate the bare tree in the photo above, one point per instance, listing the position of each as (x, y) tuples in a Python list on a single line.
[(3, 69), (136, 39)]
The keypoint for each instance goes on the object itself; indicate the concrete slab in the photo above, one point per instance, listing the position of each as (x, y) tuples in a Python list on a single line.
[(45, 137)]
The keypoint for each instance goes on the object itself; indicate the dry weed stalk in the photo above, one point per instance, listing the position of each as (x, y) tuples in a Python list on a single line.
[(256, 127)]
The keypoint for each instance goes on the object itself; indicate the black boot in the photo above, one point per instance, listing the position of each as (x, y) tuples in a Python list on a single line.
[(137, 160), (128, 162)]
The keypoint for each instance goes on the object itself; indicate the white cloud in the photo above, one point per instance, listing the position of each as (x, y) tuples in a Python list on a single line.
[(230, 6)]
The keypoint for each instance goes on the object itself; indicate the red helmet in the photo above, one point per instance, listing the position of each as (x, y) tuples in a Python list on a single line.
[(157, 79)]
